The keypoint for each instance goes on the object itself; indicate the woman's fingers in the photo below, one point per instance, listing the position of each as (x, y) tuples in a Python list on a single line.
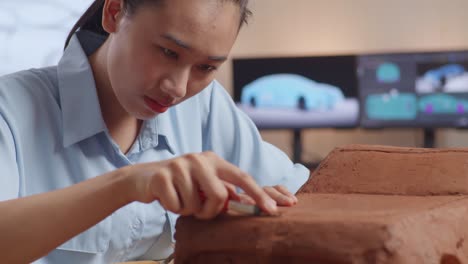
[(286, 192), (177, 184), (216, 193), (244, 198), (165, 191), (230, 173), (278, 193), (187, 188), (279, 197), (232, 191)]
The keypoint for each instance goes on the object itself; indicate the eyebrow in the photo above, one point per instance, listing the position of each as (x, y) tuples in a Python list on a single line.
[(186, 46), (217, 58), (177, 41)]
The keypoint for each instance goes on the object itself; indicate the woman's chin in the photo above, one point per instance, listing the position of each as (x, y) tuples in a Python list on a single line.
[(146, 115)]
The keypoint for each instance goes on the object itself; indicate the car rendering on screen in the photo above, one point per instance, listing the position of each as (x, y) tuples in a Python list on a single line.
[(435, 79), (457, 84), (291, 91), (391, 106), (442, 104)]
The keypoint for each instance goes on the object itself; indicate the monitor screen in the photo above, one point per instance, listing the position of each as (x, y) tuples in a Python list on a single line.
[(414, 89), (301, 92)]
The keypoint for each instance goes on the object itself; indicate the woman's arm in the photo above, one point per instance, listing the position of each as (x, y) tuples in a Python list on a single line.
[(32, 226)]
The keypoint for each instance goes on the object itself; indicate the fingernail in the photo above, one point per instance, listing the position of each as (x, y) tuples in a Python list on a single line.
[(295, 199), (271, 205)]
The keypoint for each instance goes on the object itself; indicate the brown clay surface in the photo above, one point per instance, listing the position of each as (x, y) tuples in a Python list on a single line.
[(334, 228), (348, 213), (392, 170)]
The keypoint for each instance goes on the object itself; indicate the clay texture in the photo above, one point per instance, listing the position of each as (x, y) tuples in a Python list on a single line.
[(364, 204)]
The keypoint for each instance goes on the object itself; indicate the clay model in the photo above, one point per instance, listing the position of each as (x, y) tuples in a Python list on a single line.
[(364, 204)]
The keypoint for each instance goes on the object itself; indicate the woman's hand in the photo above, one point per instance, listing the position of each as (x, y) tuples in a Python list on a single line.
[(278, 193), (176, 184), (281, 195)]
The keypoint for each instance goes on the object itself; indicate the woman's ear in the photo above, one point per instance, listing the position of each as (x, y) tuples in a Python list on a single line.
[(111, 14)]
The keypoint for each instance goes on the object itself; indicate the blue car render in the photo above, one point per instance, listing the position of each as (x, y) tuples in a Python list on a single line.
[(435, 79), (290, 91), (445, 72), (457, 84)]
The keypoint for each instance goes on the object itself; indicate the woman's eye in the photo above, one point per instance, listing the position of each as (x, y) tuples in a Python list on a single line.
[(169, 53), (207, 68)]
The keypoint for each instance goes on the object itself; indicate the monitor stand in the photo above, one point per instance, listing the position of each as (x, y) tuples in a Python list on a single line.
[(297, 150), (297, 145), (429, 137)]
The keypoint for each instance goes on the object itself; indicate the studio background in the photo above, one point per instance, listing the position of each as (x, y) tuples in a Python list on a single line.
[(32, 34), (331, 27)]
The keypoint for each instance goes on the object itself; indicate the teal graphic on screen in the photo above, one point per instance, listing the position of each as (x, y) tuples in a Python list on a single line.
[(442, 104), (388, 73), (390, 106), (421, 89)]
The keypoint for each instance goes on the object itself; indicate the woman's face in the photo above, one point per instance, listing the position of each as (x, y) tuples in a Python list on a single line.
[(163, 54)]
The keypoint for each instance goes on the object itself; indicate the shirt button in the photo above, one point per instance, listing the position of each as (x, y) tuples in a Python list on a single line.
[(137, 224), (128, 243)]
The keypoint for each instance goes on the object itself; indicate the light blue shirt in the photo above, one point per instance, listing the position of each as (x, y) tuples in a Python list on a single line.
[(52, 135)]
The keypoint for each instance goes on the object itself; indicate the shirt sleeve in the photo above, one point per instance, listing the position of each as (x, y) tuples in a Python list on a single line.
[(9, 176), (231, 134)]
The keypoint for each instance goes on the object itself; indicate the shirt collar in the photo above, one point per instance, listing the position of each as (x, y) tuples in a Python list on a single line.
[(156, 130), (81, 112)]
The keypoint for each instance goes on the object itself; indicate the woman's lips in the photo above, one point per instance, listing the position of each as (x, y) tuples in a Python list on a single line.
[(155, 106)]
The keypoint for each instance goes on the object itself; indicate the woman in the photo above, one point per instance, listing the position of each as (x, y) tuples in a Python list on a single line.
[(132, 100)]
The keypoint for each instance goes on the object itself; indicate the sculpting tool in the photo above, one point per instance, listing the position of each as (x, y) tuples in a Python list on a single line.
[(229, 205), (237, 207)]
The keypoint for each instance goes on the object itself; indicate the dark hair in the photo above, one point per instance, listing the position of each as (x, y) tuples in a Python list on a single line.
[(92, 19)]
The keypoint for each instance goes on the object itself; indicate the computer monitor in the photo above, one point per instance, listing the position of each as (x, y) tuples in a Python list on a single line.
[(427, 90), (298, 92)]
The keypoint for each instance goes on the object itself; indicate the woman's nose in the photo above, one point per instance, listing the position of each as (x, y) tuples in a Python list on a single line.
[(176, 84)]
